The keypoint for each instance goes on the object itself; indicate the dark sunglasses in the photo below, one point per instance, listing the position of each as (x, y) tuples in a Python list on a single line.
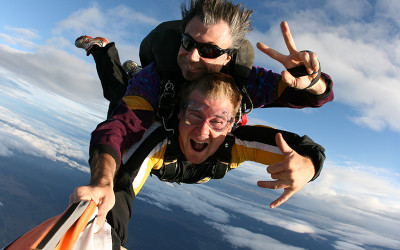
[(206, 50)]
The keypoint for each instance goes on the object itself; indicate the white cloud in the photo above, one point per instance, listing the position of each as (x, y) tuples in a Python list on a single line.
[(53, 70), (358, 45), (357, 205), (118, 23), (84, 19), (20, 37), (13, 40), (240, 237), (23, 32), (363, 62), (39, 140), (188, 197)]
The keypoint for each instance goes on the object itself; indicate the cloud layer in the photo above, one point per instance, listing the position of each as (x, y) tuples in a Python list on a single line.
[(51, 99), (359, 49), (323, 210), (358, 45)]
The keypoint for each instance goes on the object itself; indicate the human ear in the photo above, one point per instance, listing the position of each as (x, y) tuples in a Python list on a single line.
[(227, 59), (229, 128)]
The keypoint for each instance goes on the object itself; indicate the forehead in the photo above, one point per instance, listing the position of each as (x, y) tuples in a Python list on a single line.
[(218, 34), (203, 100)]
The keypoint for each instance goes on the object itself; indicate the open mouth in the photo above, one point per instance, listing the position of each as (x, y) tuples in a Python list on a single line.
[(198, 146)]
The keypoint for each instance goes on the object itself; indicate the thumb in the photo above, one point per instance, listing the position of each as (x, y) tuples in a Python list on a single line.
[(101, 218), (281, 143)]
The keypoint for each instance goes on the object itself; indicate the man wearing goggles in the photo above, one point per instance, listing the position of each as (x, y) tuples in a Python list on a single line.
[(203, 126), (205, 119)]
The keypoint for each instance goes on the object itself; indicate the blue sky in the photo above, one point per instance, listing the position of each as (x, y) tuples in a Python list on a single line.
[(358, 43)]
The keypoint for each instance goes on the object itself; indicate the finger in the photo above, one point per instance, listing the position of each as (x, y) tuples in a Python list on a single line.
[(289, 79), (305, 58), (314, 62), (271, 52), (283, 176), (278, 184), (282, 145), (276, 168), (79, 194), (283, 198), (72, 199), (101, 218), (288, 37)]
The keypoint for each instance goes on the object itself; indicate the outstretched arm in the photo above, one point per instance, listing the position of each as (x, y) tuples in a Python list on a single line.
[(100, 190)]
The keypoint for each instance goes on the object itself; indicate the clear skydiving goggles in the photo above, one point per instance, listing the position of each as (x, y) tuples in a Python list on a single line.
[(217, 119), (206, 50)]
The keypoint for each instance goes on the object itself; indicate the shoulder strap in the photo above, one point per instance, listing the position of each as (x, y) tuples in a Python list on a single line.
[(170, 167), (224, 157)]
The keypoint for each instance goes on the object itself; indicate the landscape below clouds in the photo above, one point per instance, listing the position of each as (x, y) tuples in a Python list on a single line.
[(348, 206), (51, 100)]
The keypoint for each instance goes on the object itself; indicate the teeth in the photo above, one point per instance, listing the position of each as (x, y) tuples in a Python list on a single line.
[(199, 142), (191, 67)]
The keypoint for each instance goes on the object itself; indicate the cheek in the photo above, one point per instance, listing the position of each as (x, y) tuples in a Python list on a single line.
[(181, 54), (215, 65), (218, 138)]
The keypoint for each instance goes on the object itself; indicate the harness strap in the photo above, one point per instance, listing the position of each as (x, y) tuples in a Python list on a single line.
[(166, 104), (224, 157), (170, 159)]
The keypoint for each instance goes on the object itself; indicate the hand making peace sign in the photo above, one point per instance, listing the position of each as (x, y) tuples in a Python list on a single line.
[(294, 59)]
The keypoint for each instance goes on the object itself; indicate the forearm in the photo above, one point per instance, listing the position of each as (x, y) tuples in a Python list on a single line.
[(261, 139), (103, 168)]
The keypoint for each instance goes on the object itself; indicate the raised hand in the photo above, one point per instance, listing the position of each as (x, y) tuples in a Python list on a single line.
[(296, 58), (291, 174)]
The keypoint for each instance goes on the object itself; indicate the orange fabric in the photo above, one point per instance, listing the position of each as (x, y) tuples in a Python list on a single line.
[(31, 239), (70, 237)]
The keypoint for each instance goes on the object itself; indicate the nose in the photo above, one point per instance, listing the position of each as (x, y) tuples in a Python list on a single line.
[(203, 128), (194, 55)]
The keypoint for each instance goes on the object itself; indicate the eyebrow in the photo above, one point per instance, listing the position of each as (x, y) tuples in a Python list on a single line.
[(211, 43)]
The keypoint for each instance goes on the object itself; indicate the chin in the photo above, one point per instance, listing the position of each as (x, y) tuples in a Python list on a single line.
[(189, 76), (196, 160)]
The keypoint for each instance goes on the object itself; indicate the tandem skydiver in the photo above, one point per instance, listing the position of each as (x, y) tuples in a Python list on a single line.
[(203, 148), (202, 48)]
